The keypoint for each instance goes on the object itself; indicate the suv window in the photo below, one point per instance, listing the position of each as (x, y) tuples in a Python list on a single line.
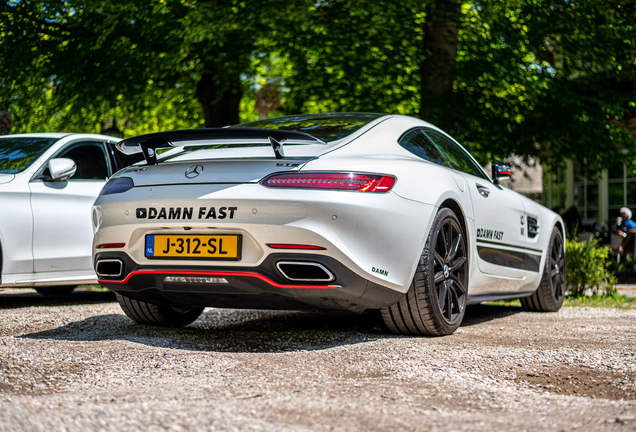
[(420, 145), (90, 159), (457, 157), (16, 154)]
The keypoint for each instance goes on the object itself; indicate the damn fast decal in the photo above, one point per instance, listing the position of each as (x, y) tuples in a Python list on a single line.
[(488, 234), (186, 213)]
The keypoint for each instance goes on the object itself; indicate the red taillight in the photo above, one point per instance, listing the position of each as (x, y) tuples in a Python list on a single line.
[(111, 245), (294, 246), (331, 181)]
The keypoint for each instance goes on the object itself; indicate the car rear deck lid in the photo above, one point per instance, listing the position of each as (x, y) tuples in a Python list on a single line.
[(211, 171)]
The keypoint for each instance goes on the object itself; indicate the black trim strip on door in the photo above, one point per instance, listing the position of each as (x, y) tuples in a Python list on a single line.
[(507, 258), (509, 245)]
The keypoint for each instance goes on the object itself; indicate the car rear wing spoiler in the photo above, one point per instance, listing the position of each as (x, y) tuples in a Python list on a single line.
[(148, 143)]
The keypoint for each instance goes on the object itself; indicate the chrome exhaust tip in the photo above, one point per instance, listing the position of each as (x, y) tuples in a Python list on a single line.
[(298, 271), (109, 268)]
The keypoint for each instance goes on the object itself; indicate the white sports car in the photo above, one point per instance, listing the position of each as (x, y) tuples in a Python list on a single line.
[(48, 184), (344, 211)]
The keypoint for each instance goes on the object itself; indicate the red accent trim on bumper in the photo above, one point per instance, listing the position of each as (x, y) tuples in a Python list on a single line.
[(111, 246), (217, 273), (294, 246)]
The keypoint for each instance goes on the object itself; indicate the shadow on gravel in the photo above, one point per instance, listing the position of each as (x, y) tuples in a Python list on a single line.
[(230, 330), (480, 313), (28, 299)]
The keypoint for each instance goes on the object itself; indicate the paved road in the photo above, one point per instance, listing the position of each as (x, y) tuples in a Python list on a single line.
[(77, 363)]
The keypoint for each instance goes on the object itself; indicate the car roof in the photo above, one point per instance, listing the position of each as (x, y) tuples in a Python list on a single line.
[(38, 135), (60, 135)]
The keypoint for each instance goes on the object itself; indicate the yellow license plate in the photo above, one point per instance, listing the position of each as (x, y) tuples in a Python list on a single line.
[(216, 247)]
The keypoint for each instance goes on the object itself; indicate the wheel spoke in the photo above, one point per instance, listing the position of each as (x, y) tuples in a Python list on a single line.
[(458, 284), (439, 259), (439, 277), (449, 304), (458, 263), (441, 296), (445, 242), (454, 248), (555, 280), (457, 300), (553, 272)]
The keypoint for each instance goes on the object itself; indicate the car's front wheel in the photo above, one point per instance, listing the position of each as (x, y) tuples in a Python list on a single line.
[(436, 300), (150, 313), (550, 294)]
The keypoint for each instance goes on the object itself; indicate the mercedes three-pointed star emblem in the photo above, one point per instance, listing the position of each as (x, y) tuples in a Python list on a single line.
[(193, 171)]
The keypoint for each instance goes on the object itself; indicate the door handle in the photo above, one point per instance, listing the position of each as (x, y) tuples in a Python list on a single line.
[(483, 190)]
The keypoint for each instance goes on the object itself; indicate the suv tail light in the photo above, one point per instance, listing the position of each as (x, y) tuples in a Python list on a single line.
[(331, 181)]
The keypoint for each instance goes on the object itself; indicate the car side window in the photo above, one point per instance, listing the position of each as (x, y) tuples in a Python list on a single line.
[(416, 142), (456, 156), (90, 159)]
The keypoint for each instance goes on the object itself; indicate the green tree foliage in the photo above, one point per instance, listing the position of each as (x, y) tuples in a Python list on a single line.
[(85, 60), (70, 65), (354, 56), (587, 267), (553, 79)]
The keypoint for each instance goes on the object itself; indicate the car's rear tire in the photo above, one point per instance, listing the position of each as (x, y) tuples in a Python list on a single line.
[(150, 313), (435, 303), (550, 294), (55, 290)]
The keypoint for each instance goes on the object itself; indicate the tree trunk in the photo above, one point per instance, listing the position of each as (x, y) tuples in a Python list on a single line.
[(220, 97), (436, 70), (5, 123)]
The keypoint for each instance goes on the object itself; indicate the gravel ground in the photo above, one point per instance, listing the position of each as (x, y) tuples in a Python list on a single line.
[(77, 363)]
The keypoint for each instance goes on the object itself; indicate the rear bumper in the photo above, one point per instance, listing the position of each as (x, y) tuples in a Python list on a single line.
[(260, 287)]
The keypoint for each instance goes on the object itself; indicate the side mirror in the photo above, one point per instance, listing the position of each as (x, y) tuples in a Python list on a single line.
[(500, 172), (62, 169)]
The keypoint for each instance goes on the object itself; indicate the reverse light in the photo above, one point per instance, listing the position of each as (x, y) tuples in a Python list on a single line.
[(118, 185), (331, 181)]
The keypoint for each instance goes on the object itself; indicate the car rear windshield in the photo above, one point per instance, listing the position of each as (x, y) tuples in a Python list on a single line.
[(16, 154), (327, 127)]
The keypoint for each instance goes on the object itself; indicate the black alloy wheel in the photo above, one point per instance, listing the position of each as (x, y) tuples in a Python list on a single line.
[(450, 270), (557, 268), (551, 292), (435, 303)]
